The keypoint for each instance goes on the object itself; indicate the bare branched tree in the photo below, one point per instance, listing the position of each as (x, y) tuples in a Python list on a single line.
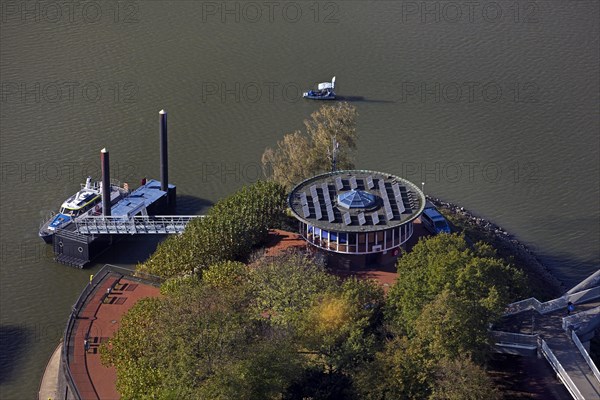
[(301, 155)]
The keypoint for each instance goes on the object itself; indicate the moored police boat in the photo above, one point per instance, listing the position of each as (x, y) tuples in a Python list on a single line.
[(88, 200)]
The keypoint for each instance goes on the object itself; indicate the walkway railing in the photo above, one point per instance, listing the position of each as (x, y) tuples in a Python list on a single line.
[(590, 281), (135, 275), (509, 338), (573, 321), (584, 295), (535, 304), (583, 322), (66, 350), (560, 371), (139, 224), (585, 355), (81, 301), (552, 305)]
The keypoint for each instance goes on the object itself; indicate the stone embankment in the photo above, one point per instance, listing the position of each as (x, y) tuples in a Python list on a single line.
[(507, 245)]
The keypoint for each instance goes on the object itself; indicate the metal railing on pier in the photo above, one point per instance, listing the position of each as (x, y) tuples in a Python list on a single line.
[(139, 224)]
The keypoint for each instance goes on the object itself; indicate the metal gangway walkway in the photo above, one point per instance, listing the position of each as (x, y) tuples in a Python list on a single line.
[(558, 335), (139, 224)]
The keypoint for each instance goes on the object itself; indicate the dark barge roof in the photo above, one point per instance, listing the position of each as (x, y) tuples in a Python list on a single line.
[(396, 201)]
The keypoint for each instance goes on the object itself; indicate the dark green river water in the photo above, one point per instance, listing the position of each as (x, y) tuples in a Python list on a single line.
[(494, 105)]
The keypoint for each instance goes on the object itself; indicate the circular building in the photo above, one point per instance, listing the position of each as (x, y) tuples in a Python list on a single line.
[(359, 217)]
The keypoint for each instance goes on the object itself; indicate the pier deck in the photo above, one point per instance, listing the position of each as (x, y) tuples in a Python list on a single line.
[(97, 321)]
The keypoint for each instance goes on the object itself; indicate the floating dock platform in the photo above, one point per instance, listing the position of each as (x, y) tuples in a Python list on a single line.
[(82, 240), (74, 248)]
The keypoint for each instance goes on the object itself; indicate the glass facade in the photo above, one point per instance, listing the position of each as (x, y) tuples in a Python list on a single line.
[(357, 242)]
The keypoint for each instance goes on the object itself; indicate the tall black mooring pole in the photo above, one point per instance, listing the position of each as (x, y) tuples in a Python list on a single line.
[(104, 159), (164, 156)]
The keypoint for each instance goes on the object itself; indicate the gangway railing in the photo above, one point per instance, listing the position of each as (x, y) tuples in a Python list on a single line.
[(560, 371), (139, 224), (591, 281), (516, 339), (585, 355), (553, 305)]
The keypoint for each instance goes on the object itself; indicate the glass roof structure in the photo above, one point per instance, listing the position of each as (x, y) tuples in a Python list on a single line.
[(356, 199)]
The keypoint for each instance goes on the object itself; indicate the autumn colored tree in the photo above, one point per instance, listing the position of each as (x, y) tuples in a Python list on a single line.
[(286, 285), (300, 155), (340, 328)]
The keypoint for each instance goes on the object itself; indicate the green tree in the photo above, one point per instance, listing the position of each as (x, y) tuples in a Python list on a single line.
[(441, 305), (299, 156), (396, 372), (230, 231), (264, 370), (175, 284), (340, 328), (461, 379), (171, 346), (286, 285), (314, 383), (139, 334), (227, 274), (446, 262), (451, 326)]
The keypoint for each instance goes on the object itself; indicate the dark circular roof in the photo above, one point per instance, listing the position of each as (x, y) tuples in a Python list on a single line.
[(356, 201)]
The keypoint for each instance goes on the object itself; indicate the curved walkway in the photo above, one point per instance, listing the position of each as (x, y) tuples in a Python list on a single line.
[(97, 322)]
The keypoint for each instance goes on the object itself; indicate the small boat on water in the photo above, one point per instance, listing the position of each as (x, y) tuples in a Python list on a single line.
[(325, 91), (87, 200)]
